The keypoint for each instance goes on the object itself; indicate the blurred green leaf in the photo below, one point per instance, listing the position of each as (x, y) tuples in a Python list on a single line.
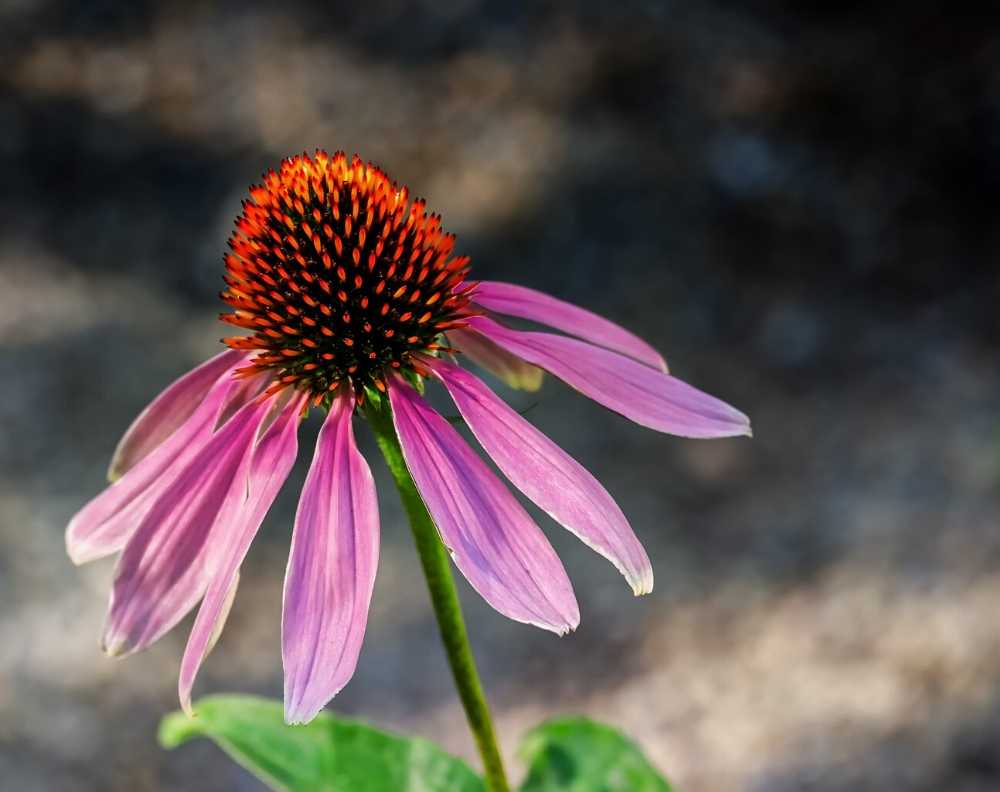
[(330, 754), (579, 755)]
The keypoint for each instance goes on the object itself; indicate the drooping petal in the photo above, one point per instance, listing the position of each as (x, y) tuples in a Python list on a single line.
[(168, 411), (490, 536), (220, 621), (646, 396), (234, 530), (500, 363), (525, 303), (545, 473), (331, 569), (104, 525), (184, 687), (168, 562)]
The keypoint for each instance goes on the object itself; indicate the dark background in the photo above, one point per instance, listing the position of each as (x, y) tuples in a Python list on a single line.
[(797, 206)]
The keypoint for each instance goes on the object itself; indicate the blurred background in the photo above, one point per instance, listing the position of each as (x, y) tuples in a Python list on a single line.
[(797, 207)]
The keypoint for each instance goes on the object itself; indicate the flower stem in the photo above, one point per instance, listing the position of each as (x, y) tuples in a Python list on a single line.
[(437, 569)]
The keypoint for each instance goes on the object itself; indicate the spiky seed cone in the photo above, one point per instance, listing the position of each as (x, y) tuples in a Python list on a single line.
[(339, 277)]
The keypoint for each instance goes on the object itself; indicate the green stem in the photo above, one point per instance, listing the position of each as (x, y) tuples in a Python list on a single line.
[(437, 569)]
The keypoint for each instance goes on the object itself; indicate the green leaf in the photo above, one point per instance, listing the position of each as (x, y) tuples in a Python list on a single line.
[(331, 754), (579, 755)]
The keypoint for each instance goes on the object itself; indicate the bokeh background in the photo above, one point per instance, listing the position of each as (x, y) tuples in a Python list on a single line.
[(797, 206)]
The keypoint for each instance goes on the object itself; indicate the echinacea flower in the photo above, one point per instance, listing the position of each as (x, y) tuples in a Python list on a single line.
[(350, 291)]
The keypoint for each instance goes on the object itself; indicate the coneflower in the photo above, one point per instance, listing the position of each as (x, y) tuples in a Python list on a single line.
[(351, 294)]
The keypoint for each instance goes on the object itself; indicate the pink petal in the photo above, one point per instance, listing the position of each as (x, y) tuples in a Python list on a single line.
[(646, 396), (549, 476), (220, 623), (168, 411), (520, 301), (331, 569), (104, 525), (184, 687), (490, 536), (234, 530), (169, 560), (501, 364)]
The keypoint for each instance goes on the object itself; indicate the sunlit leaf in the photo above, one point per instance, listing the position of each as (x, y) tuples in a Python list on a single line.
[(330, 754), (579, 755)]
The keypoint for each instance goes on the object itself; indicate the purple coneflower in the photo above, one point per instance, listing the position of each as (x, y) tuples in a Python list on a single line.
[(348, 289)]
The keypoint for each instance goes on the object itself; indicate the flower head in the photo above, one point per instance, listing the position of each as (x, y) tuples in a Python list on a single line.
[(346, 287), (340, 277)]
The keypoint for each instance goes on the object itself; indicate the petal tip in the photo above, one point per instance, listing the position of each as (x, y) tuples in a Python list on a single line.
[(298, 715), (116, 642), (738, 425), (561, 625), (742, 427), (304, 708), (115, 646), (568, 625), (643, 585), (76, 554), (79, 549), (115, 470)]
